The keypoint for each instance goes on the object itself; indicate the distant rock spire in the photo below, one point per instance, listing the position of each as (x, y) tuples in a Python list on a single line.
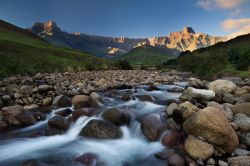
[(187, 30)]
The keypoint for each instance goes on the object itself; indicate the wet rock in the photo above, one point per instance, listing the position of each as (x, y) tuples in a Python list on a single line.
[(13, 110), (241, 108), (27, 89), (245, 138), (59, 122), (39, 116), (199, 94), (176, 89), (175, 160), (211, 124), (171, 138), (152, 126), (171, 108), (242, 121), (3, 125), (172, 125), (115, 116), (95, 100), (44, 88), (62, 101), (26, 118), (146, 98), (241, 152), (82, 112), (152, 87), (224, 108), (239, 161), (101, 129), (198, 149), (50, 131), (222, 86), (80, 101), (88, 159), (64, 112)]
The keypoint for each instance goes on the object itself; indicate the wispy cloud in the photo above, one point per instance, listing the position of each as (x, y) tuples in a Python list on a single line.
[(220, 4), (236, 26)]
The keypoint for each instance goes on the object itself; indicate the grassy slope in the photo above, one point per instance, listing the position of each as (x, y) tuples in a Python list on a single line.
[(215, 60), (147, 55), (23, 53)]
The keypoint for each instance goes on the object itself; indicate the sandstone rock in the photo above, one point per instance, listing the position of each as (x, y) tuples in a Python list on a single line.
[(27, 89), (196, 83), (198, 149), (239, 161), (62, 101), (243, 90), (199, 94), (44, 88), (171, 108), (152, 126), (80, 101), (101, 129), (13, 110), (242, 121), (213, 125), (59, 122), (47, 101), (115, 116), (241, 108), (95, 100), (245, 97), (187, 109), (222, 86)]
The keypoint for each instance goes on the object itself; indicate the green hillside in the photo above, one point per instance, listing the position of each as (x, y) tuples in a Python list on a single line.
[(147, 56), (21, 52), (225, 58)]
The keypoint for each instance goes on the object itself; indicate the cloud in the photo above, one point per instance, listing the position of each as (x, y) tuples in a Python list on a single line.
[(236, 26), (220, 4)]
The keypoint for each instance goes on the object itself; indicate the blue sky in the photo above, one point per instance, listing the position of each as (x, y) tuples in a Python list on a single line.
[(130, 18)]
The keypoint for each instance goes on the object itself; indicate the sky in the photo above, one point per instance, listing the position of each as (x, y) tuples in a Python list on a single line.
[(132, 18)]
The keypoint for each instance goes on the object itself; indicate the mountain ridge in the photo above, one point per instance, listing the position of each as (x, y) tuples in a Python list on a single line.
[(179, 41)]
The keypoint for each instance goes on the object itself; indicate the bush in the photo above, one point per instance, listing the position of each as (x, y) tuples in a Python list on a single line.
[(123, 65)]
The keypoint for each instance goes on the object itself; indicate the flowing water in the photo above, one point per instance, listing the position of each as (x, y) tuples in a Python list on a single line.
[(131, 150)]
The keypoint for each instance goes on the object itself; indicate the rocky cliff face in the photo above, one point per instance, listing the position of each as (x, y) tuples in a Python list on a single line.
[(184, 40)]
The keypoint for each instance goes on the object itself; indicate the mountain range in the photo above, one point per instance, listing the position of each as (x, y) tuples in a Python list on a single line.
[(187, 39)]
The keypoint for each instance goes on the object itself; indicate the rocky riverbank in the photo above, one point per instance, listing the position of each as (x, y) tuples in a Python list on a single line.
[(209, 124)]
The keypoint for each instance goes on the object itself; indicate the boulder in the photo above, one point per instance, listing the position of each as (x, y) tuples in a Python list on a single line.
[(222, 86), (101, 129), (243, 90), (242, 121), (229, 98), (88, 159), (196, 83), (64, 112), (82, 112), (44, 88), (27, 89), (224, 108), (152, 126), (241, 108), (47, 101), (115, 116), (198, 94), (26, 118), (33, 162), (95, 100), (198, 149), (245, 97), (62, 101), (241, 152), (245, 138), (171, 138), (13, 110), (211, 124), (176, 89), (59, 122), (186, 110), (146, 98), (171, 108), (239, 161), (3, 125), (80, 101)]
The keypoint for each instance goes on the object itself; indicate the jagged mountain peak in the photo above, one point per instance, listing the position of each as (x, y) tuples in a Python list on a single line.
[(188, 30), (49, 28)]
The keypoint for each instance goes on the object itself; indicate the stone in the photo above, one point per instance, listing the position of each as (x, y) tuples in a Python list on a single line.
[(210, 161), (196, 83), (26, 118), (187, 109), (33, 162), (88, 159), (44, 88), (198, 94), (82, 112), (3, 125), (27, 89), (6, 98), (101, 129), (241, 152), (59, 122), (171, 108), (222, 86), (239, 161), (171, 138), (245, 138), (211, 124), (80, 101), (115, 116), (224, 108), (243, 90), (62, 101), (175, 160), (242, 121), (245, 98), (176, 89), (152, 126), (13, 110), (47, 101), (95, 100), (241, 108), (64, 112), (198, 149), (146, 98), (229, 98), (222, 163)]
